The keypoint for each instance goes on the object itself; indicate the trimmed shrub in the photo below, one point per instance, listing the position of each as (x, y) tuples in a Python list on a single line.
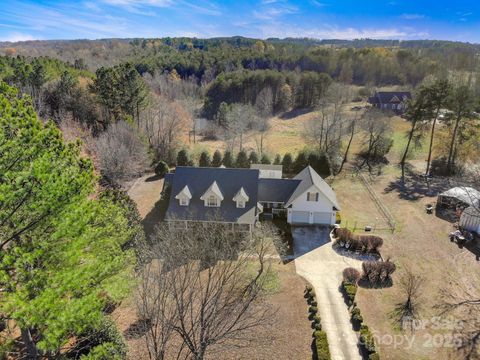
[(321, 345), (351, 275), (216, 159), (316, 319), (183, 158), (253, 158), (378, 272), (366, 339), (242, 160), (374, 356), (354, 242), (265, 159), (317, 326), (287, 163), (161, 169), (204, 160), (356, 315), (312, 309), (277, 160), (228, 160), (350, 291)]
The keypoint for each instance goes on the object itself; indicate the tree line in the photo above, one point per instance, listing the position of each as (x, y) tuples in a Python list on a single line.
[(289, 89), (290, 164)]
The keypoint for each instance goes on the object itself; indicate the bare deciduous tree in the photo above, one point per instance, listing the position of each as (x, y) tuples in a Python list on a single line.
[(264, 102), (407, 310), (377, 128), (327, 128), (201, 289), (240, 118), (461, 298), (163, 124), (121, 153)]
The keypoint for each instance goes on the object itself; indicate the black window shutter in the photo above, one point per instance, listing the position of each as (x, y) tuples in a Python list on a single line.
[(316, 197)]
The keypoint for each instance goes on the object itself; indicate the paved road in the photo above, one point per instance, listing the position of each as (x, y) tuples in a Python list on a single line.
[(319, 264)]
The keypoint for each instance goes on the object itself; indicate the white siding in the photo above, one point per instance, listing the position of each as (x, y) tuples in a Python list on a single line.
[(300, 217), (323, 205), (270, 174), (471, 222)]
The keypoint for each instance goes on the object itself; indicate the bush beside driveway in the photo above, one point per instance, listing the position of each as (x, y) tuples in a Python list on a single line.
[(322, 266)]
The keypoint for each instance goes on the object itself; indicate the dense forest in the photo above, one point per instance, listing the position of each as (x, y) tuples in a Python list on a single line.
[(161, 86)]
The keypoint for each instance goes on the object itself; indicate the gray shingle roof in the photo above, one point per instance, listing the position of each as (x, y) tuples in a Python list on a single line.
[(309, 177), (387, 96), (466, 195), (229, 182), (276, 190)]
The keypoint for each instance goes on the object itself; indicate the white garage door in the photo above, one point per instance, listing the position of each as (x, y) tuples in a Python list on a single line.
[(322, 218), (300, 217)]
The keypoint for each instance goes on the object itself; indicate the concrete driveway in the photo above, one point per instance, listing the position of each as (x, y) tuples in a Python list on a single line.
[(322, 266)]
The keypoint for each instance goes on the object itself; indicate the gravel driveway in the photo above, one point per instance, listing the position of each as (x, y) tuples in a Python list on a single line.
[(322, 266)]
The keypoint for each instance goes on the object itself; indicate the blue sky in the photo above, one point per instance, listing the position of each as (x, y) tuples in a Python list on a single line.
[(322, 19)]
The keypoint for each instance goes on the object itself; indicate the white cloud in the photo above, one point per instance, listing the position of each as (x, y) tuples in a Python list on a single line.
[(412, 16), (317, 3), (143, 7), (17, 36), (273, 10), (135, 3), (335, 32)]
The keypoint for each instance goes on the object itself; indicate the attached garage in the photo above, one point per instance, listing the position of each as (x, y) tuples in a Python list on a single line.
[(300, 217), (322, 218)]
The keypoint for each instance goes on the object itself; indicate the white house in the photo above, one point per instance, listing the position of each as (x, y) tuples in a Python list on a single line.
[(237, 197), (313, 201)]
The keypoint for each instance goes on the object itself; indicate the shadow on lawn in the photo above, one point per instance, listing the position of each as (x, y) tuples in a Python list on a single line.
[(294, 113), (417, 186), (156, 215), (137, 329)]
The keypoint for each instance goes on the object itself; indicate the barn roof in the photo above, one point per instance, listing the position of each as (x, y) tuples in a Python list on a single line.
[(464, 194)]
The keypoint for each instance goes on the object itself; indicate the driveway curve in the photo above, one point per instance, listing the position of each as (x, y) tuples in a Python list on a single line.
[(322, 266)]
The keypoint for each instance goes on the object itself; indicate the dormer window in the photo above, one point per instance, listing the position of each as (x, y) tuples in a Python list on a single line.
[(184, 196), (241, 198), (213, 196), (212, 201)]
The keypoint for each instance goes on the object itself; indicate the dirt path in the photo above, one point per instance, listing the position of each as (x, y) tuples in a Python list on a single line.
[(322, 266)]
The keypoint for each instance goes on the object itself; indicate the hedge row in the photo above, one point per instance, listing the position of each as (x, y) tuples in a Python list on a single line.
[(366, 337), (350, 291), (354, 242), (321, 342)]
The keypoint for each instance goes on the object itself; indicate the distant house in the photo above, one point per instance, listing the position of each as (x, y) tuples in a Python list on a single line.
[(236, 197), (390, 100)]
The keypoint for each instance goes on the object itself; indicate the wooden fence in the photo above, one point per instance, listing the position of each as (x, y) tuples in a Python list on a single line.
[(380, 205)]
